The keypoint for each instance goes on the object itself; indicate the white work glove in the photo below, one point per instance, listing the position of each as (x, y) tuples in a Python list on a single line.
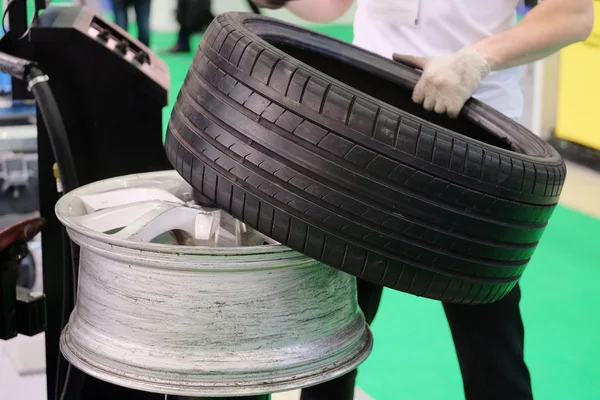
[(272, 4), (448, 81)]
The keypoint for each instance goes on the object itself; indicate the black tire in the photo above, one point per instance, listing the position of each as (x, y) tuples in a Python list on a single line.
[(364, 181)]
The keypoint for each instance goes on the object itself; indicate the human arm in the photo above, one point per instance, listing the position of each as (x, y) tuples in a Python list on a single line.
[(318, 11), (547, 28), (447, 82)]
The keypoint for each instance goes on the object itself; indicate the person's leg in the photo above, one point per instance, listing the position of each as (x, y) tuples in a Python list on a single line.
[(184, 35), (342, 388), (489, 342), (142, 14), (120, 11), (183, 40)]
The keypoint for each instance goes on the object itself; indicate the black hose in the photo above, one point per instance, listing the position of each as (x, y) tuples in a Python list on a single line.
[(38, 83)]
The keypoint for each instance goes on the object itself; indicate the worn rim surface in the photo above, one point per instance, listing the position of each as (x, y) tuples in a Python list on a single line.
[(122, 378), (197, 320)]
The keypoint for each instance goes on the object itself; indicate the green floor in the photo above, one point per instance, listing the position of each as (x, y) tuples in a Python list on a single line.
[(414, 359)]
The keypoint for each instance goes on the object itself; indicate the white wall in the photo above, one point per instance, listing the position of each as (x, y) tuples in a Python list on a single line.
[(163, 13), (220, 6), (545, 96)]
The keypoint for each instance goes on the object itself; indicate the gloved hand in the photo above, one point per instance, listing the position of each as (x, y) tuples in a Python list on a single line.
[(448, 81), (272, 4)]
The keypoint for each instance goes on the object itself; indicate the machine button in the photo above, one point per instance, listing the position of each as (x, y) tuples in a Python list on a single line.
[(142, 57), (104, 35), (122, 47)]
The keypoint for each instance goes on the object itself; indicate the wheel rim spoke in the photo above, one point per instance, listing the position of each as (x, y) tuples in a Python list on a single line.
[(148, 210)]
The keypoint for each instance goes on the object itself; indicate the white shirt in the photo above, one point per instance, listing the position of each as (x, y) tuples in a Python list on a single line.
[(446, 26)]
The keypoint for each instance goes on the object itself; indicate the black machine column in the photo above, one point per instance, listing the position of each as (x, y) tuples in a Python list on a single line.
[(110, 90)]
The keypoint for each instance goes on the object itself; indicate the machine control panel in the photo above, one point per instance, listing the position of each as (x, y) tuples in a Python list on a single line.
[(120, 45), (62, 24)]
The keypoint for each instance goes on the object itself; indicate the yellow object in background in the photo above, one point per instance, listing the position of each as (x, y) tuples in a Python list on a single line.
[(578, 118)]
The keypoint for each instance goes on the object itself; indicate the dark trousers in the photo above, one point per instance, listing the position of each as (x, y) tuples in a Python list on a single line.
[(183, 39), (142, 15), (193, 16), (489, 341)]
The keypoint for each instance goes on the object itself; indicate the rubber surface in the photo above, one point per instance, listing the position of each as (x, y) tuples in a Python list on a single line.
[(344, 168)]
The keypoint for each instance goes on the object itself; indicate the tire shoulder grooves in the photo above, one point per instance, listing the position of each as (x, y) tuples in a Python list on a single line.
[(342, 163), (234, 180), (398, 155), (341, 213)]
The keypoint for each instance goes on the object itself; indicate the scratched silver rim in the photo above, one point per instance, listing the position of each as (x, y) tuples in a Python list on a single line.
[(175, 298)]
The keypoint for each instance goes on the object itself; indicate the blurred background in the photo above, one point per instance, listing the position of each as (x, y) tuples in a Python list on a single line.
[(414, 355)]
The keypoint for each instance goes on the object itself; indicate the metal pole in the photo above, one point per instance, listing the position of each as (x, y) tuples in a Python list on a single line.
[(17, 21)]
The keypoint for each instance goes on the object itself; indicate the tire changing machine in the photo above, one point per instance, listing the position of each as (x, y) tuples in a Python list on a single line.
[(110, 90)]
